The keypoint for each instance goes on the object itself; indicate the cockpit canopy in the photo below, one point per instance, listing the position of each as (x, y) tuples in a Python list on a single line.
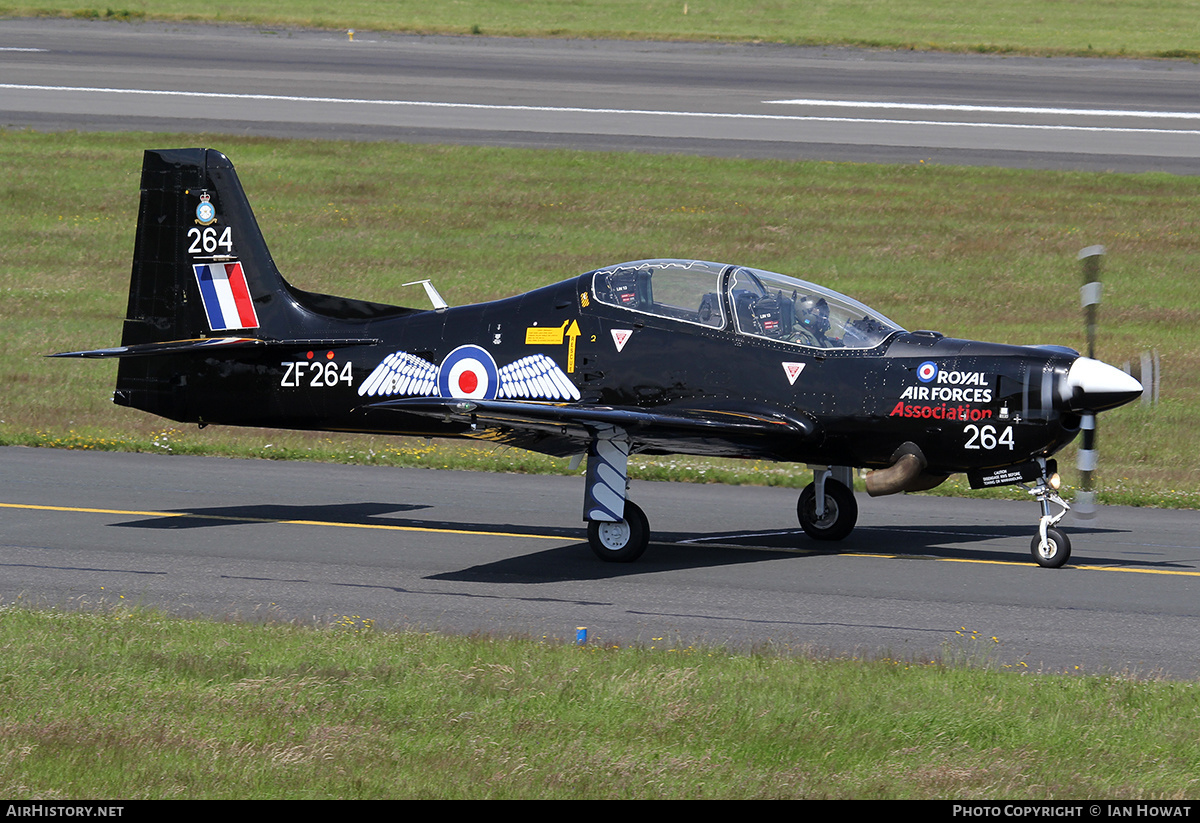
[(751, 301)]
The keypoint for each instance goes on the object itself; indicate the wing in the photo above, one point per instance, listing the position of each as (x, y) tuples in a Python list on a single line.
[(564, 429)]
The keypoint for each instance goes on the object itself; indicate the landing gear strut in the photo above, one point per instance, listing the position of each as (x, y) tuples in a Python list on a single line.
[(1050, 547), (827, 509), (618, 531)]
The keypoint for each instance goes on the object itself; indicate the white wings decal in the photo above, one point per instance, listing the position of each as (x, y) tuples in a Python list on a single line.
[(468, 374), (401, 373), (536, 377)]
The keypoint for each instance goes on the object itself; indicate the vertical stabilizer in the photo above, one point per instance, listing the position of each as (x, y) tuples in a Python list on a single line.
[(200, 265), (203, 282), (201, 269)]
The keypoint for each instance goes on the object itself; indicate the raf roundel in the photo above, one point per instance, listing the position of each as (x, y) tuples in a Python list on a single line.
[(468, 372), (927, 371)]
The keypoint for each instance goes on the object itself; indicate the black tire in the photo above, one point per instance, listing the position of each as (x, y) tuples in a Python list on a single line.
[(621, 542), (1057, 553), (841, 511)]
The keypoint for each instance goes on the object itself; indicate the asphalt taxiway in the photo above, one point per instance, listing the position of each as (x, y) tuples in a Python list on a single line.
[(739, 100), (506, 554)]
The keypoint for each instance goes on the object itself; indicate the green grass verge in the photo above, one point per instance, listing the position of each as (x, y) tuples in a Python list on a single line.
[(120, 702), (1127, 28), (982, 253)]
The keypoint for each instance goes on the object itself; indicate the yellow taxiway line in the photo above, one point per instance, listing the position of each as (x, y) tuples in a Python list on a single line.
[(384, 526), (477, 532)]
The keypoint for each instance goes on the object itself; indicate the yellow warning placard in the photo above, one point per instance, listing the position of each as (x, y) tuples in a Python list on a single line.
[(545, 335)]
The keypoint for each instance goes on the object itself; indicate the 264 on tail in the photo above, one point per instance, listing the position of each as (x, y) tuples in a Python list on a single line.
[(653, 357)]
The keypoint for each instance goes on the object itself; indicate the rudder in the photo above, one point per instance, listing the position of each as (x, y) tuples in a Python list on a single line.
[(200, 264), (201, 270), (204, 291)]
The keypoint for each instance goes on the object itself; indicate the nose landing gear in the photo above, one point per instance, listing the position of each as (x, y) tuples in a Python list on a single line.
[(1050, 547)]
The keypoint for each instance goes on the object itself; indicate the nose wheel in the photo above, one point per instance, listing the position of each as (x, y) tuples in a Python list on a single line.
[(1050, 548), (1052, 551)]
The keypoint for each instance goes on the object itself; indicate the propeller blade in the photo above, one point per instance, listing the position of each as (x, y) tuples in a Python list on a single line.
[(1090, 293), (1085, 498), (1096, 386)]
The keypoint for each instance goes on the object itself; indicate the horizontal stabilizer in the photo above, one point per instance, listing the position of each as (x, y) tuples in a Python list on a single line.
[(206, 344)]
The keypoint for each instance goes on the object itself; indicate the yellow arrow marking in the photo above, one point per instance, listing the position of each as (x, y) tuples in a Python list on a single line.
[(573, 333)]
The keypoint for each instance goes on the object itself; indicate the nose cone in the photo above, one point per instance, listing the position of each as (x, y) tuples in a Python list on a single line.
[(1095, 386)]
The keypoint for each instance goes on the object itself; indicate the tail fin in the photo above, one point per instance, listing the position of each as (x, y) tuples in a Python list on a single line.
[(203, 282), (201, 267), (200, 264)]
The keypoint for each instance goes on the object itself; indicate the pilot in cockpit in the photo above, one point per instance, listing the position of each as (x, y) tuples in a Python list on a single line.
[(813, 317)]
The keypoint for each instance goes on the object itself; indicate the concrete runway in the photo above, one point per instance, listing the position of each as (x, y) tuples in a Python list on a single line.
[(707, 99)]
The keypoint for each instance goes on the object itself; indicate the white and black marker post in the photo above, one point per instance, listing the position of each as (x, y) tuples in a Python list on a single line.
[(1085, 498)]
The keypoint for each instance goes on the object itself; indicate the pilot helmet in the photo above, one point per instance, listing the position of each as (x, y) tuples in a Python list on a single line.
[(813, 314)]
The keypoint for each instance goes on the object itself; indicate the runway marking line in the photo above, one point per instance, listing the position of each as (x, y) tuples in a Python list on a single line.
[(476, 532), (383, 526), (969, 108), (1172, 572), (355, 101)]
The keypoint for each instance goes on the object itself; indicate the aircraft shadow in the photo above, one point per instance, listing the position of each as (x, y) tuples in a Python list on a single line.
[(342, 513), (576, 562), (676, 551), (669, 551)]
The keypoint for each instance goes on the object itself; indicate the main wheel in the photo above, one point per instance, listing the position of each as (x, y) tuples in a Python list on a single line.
[(1057, 551), (841, 511), (623, 541)]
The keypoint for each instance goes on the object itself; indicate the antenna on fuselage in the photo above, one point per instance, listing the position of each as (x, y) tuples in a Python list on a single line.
[(436, 299)]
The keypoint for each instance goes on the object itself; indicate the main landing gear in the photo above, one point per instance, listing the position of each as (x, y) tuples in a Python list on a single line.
[(827, 509), (622, 541), (618, 531), (1050, 547)]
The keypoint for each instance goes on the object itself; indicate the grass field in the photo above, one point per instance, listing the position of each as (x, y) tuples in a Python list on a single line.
[(982, 253), (119, 702), (1126, 28)]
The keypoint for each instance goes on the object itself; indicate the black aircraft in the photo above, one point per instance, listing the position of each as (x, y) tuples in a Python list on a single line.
[(649, 357)]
